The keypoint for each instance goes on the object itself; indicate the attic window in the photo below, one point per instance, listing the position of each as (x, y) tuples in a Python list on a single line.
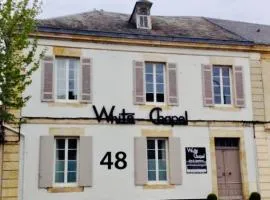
[(143, 22)]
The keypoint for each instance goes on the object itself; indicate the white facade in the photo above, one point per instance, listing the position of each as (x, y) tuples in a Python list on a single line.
[(112, 84)]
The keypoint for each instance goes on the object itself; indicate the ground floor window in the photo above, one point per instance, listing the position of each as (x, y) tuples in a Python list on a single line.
[(157, 157), (66, 161)]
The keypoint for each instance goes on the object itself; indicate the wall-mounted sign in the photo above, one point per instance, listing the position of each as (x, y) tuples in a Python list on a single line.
[(196, 160), (124, 117)]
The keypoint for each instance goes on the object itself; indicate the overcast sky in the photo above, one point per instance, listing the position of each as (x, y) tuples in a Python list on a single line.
[(255, 11)]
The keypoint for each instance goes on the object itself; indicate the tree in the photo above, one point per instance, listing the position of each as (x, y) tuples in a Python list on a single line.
[(18, 59)]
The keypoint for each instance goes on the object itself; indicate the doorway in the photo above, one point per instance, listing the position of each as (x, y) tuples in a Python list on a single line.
[(228, 169)]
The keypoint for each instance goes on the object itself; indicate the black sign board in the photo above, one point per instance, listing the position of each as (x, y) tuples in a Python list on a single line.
[(196, 160)]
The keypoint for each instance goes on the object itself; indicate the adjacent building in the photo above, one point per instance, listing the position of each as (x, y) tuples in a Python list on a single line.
[(145, 107)]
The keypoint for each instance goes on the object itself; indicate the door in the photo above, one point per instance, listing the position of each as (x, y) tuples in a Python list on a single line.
[(228, 170)]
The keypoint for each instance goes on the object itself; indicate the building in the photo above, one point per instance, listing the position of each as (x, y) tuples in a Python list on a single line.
[(142, 107)]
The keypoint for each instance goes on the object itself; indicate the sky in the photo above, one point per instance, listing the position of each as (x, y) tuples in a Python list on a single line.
[(254, 11)]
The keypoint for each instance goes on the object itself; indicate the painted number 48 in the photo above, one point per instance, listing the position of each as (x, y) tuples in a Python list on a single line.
[(120, 162)]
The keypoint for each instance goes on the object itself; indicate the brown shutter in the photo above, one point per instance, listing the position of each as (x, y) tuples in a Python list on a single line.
[(207, 88), (47, 79), (140, 160), (175, 170), (239, 86), (86, 80), (46, 161), (172, 84), (85, 161), (138, 82)]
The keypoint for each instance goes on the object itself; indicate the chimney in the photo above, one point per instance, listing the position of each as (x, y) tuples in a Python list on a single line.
[(140, 16)]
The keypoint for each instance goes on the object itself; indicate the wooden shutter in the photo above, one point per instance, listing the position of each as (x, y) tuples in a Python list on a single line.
[(138, 82), (85, 161), (207, 88), (46, 161), (172, 84), (47, 79), (239, 86), (86, 80), (175, 169), (140, 161)]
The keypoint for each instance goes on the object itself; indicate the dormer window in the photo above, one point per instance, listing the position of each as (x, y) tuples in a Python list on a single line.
[(143, 21)]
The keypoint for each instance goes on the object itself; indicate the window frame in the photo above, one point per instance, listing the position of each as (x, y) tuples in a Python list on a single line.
[(221, 85), (156, 161), (66, 184), (138, 18), (67, 60), (155, 84)]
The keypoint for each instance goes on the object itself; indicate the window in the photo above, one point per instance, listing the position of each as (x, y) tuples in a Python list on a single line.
[(157, 157), (154, 82), (143, 21), (66, 161), (67, 77), (222, 84)]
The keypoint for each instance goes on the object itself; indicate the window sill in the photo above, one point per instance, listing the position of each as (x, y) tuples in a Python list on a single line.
[(151, 106), (65, 189), (158, 186), (68, 104), (225, 108)]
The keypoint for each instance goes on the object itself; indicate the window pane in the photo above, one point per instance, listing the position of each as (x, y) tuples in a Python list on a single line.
[(72, 95), (226, 91), (71, 177), (151, 164), (216, 81), (217, 99), (149, 68), (217, 90), (71, 84), (72, 165), (225, 71), (61, 78), (159, 68), (161, 144), (150, 154), (227, 99), (159, 78), (161, 154), (149, 97), (59, 177), (160, 97), (151, 175), (72, 143), (149, 88), (141, 21), (226, 81), (72, 154), (150, 144), (162, 164), (60, 166), (60, 155), (216, 71), (160, 88), (149, 78), (162, 175), (60, 143)]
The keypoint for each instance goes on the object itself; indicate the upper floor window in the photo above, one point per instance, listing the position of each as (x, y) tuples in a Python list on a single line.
[(66, 161), (222, 84), (157, 159), (67, 78), (143, 21), (155, 82)]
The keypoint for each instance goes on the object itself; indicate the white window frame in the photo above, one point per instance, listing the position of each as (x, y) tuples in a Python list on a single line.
[(67, 80), (156, 161), (221, 85), (138, 19), (154, 83), (66, 184)]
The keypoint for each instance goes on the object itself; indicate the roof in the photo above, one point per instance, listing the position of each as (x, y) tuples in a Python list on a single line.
[(258, 33), (164, 28)]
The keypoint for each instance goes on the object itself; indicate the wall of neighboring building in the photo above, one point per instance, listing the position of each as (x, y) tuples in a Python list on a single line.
[(112, 85)]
